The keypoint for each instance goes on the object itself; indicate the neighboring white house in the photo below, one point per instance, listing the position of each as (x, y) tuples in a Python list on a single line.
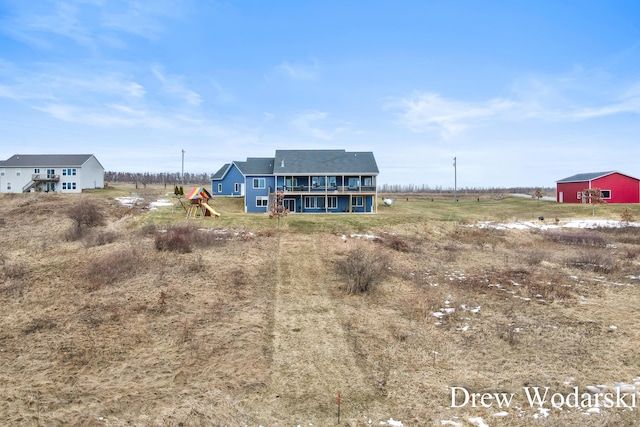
[(63, 173)]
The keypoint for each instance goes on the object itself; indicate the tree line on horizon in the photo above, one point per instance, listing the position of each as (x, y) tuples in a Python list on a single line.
[(175, 178)]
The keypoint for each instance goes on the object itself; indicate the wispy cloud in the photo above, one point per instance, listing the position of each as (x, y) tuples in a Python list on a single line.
[(89, 23), (561, 99), (430, 112), (317, 125), (174, 85), (299, 71)]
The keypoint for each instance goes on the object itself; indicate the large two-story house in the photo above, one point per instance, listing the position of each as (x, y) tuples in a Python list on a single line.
[(64, 173), (311, 181)]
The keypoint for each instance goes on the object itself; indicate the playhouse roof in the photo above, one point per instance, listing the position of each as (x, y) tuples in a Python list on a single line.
[(198, 193)]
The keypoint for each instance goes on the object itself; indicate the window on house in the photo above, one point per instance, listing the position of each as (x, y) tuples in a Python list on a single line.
[(259, 183), (605, 194), (1, 172), (318, 181), (236, 187), (354, 182), (73, 185), (320, 203), (17, 172), (358, 201), (367, 182), (64, 172), (8, 186), (309, 202), (64, 185), (332, 202), (73, 172), (262, 201), (579, 195), (36, 170), (51, 173), (332, 182), (219, 188)]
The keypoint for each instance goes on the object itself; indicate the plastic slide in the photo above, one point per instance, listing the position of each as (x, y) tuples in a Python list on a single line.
[(210, 209)]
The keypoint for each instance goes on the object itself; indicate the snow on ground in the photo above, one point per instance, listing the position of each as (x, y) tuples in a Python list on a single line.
[(542, 225)]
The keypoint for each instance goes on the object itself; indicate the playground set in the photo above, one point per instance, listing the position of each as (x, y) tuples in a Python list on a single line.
[(199, 207)]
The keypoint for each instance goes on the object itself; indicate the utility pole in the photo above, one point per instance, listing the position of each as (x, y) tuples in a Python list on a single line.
[(455, 181), (182, 168)]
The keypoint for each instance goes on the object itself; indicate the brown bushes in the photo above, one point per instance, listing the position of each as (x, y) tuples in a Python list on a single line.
[(181, 238), (111, 268), (582, 237), (363, 269)]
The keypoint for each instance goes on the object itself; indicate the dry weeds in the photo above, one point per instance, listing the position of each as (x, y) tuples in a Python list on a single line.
[(254, 328)]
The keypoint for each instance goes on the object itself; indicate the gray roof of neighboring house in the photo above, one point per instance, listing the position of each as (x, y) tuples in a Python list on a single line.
[(256, 166), (581, 177), (221, 172), (44, 160), (324, 162)]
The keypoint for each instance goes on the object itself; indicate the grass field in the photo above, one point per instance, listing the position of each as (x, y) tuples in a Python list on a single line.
[(135, 316)]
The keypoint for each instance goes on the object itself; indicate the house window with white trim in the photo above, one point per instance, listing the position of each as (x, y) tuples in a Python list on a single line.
[(358, 201), (64, 185), (332, 202), (8, 186), (309, 202), (36, 170), (1, 172), (73, 185), (605, 194), (236, 187), (259, 183), (219, 188), (18, 171), (262, 201)]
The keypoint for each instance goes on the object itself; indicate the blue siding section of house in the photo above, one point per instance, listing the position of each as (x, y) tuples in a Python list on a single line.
[(260, 192), (229, 181)]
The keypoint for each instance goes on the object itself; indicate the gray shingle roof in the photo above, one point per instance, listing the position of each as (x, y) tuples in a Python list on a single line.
[(221, 172), (44, 160), (581, 177), (324, 162), (256, 166)]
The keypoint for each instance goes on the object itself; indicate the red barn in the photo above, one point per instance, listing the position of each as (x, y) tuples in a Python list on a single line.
[(615, 187)]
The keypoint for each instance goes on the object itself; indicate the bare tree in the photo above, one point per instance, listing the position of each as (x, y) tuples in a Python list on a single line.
[(276, 207), (594, 196)]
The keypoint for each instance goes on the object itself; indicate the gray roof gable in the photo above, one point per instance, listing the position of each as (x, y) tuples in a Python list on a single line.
[(324, 162), (222, 171), (256, 166), (46, 160), (581, 177)]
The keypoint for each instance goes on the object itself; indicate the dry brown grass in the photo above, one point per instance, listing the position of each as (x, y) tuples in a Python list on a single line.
[(254, 328)]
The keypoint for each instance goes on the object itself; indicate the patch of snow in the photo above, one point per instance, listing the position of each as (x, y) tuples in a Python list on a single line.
[(449, 423), (542, 413), (501, 414), (478, 421), (392, 422)]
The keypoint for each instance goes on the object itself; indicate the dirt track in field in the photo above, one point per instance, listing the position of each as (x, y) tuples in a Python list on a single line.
[(312, 359)]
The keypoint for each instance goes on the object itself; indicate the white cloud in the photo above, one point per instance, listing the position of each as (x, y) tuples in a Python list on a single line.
[(299, 71), (579, 96), (175, 86), (430, 112), (307, 124)]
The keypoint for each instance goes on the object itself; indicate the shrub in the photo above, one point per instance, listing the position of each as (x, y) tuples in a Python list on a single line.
[(85, 214), (363, 270), (593, 260), (582, 237), (175, 239), (101, 238), (111, 268)]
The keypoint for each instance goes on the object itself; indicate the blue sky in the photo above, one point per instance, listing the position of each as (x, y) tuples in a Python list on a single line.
[(522, 93)]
